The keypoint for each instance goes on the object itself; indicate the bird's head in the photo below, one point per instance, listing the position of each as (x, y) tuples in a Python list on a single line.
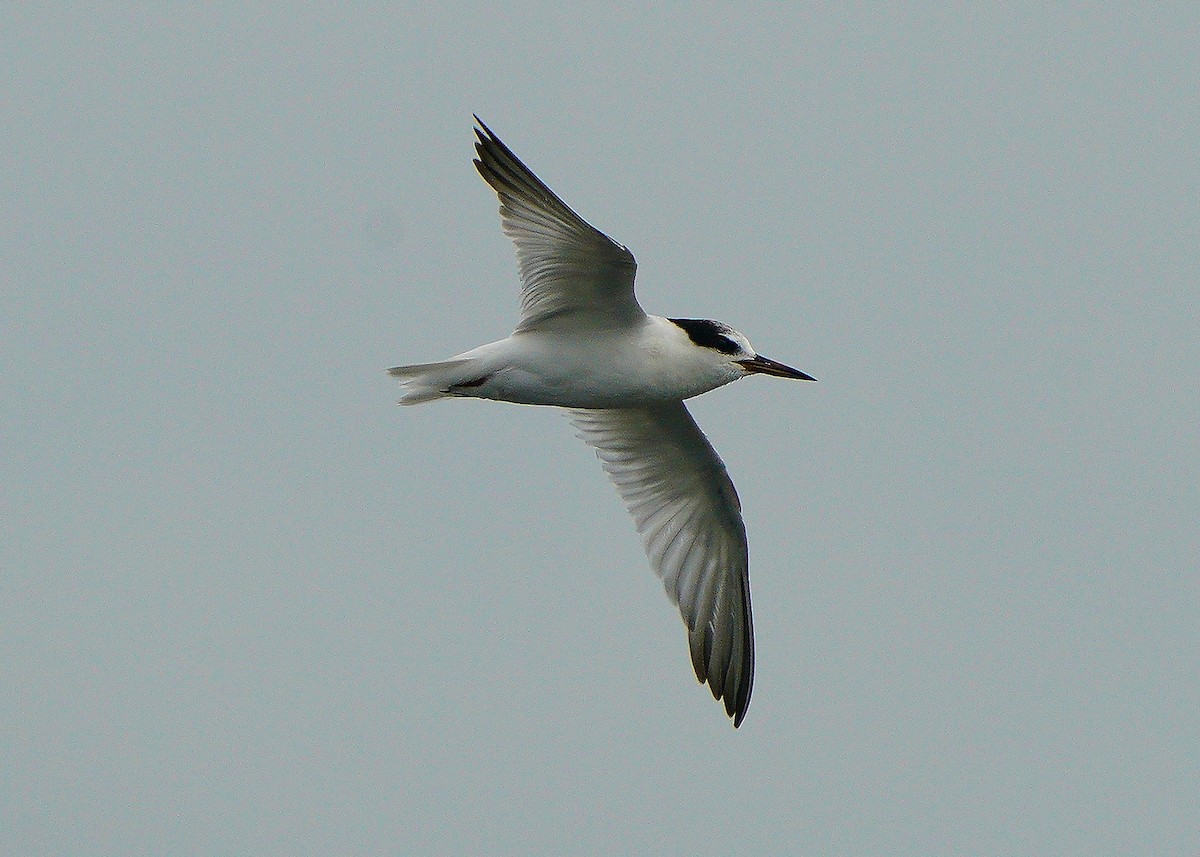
[(732, 348)]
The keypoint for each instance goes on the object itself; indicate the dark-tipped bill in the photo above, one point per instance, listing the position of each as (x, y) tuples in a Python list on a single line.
[(767, 366)]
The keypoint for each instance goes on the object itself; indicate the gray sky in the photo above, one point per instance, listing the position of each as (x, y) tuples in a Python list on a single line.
[(248, 605)]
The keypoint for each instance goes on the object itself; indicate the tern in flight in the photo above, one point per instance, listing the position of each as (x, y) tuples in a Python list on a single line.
[(583, 343)]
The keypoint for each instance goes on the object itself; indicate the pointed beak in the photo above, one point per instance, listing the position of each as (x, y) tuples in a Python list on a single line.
[(766, 366)]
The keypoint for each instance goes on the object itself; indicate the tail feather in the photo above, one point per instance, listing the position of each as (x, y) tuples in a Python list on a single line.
[(424, 382)]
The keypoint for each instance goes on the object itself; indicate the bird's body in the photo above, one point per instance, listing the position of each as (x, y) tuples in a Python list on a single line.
[(584, 343), (649, 361)]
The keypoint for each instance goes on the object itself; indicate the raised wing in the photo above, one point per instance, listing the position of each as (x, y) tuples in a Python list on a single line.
[(573, 274), (686, 508)]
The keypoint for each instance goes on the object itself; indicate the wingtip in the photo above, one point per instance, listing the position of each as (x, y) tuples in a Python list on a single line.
[(736, 701), (736, 707)]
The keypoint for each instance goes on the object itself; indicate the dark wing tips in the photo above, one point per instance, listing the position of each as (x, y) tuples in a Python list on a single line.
[(483, 163), (505, 172), (484, 139), (483, 131), (492, 152), (732, 680), (741, 670), (736, 699), (487, 140), (482, 170)]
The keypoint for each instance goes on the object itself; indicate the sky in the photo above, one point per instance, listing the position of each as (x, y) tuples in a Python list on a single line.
[(250, 606)]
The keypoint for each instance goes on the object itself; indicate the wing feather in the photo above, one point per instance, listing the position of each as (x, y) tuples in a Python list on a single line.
[(572, 273), (687, 510)]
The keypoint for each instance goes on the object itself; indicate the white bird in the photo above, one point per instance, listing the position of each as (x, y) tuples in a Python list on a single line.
[(584, 343)]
